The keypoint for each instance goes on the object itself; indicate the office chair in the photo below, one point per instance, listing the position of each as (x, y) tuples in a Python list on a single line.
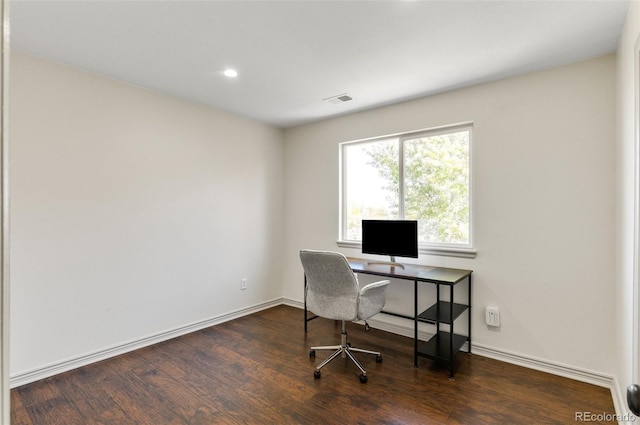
[(332, 291)]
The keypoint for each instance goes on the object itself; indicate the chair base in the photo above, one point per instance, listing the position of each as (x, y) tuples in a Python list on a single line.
[(343, 350)]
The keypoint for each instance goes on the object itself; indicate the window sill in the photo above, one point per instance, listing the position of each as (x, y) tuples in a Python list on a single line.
[(446, 252)]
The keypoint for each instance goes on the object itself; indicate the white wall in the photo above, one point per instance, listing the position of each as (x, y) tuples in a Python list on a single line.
[(132, 213), (544, 205), (626, 155)]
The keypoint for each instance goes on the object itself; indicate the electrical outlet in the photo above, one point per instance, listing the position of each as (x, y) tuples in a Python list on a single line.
[(243, 284), (492, 316)]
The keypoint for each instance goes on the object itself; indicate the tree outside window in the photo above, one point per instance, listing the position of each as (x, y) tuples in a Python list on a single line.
[(424, 177)]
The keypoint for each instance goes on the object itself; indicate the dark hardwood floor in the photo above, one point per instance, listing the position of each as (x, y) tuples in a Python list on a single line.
[(256, 370)]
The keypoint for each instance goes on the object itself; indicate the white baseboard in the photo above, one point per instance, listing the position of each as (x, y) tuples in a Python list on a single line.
[(390, 324), (75, 362), (553, 368), (382, 322), (623, 416), (622, 413)]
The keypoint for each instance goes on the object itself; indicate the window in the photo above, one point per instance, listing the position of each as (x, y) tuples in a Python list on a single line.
[(422, 176)]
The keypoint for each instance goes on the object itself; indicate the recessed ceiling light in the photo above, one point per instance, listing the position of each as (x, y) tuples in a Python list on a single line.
[(231, 73)]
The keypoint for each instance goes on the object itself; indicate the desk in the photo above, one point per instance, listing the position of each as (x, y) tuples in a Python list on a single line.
[(444, 344)]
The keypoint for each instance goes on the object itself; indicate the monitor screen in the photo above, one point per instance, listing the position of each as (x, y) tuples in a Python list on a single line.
[(390, 237)]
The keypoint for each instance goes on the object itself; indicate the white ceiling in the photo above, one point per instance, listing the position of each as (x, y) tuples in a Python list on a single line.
[(290, 55)]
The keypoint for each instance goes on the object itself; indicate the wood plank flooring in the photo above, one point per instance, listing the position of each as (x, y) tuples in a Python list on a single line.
[(256, 370)]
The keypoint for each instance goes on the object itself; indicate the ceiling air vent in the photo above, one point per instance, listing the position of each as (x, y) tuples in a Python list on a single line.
[(341, 98)]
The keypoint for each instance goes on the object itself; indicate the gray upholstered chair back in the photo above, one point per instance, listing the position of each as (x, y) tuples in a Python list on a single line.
[(332, 288)]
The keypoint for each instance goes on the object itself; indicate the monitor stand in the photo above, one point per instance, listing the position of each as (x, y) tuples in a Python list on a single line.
[(391, 263)]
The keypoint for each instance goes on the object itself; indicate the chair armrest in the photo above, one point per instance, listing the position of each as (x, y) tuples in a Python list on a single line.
[(372, 299), (375, 286)]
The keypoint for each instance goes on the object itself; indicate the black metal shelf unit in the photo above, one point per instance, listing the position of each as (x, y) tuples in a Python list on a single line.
[(443, 345)]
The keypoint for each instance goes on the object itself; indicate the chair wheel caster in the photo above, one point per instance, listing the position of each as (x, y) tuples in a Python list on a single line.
[(363, 379), (317, 374), (378, 359), (312, 353)]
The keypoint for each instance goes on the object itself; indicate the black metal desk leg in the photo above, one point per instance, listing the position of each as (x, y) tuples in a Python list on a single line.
[(305, 304), (415, 323), (469, 315), (451, 332), (438, 308)]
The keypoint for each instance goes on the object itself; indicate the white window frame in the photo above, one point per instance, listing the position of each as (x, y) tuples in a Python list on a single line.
[(444, 249)]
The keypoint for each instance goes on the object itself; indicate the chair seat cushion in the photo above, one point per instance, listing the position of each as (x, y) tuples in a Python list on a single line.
[(333, 307)]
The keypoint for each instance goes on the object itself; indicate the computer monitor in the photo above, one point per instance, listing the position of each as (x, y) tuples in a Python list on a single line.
[(390, 237)]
